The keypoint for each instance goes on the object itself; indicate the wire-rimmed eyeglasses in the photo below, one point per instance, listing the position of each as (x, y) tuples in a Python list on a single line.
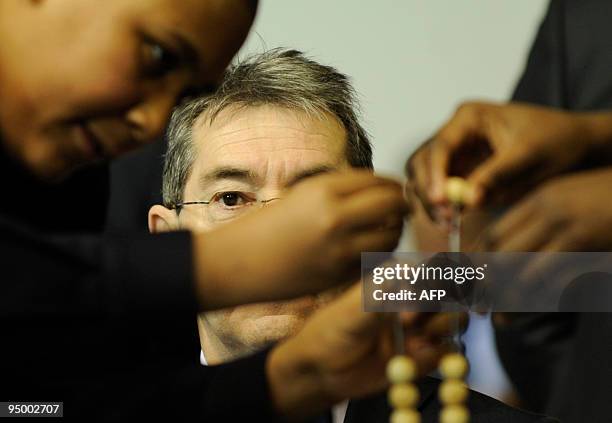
[(227, 205)]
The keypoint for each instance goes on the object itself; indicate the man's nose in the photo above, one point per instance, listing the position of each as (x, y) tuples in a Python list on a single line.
[(149, 118)]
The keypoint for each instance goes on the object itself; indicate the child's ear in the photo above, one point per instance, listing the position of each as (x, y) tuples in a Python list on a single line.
[(162, 219)]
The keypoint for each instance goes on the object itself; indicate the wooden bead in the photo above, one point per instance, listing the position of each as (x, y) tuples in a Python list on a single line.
[(403, 395), (453, 391), (405, 416), (457, 190), (453, 366), (454, 414), (401, 369)]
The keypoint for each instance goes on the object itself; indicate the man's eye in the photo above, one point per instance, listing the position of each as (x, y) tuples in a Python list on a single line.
[(158, 60), (232, 198)]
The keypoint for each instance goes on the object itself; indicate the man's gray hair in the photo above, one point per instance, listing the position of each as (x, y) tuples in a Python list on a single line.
[(280, 77)]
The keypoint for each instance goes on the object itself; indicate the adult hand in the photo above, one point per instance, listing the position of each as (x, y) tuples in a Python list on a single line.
[(571, 213), (566, 214), (309, 241), (504, 150), (342, 352)]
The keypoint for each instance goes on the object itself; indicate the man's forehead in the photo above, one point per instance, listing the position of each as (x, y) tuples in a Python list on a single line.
[(266, 140), (267, 129)]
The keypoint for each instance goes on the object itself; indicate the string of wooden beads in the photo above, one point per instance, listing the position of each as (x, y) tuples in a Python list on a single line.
[(402, 370), (453, 392), (403, 394)]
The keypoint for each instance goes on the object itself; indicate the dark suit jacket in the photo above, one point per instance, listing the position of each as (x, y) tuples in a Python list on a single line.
[(483, 409), (562, 363)]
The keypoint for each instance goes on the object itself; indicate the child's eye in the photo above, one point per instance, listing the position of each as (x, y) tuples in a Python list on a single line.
[(158, 60)]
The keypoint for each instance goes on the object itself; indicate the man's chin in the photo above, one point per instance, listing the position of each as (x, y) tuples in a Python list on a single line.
[(281, 325), (264, 331)]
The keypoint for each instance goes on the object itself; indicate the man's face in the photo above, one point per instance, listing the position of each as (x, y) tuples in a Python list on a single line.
[(255, 153), (82, 80)]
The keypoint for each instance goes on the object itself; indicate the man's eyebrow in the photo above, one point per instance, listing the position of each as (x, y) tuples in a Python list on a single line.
[(310, 172), (227, 172)]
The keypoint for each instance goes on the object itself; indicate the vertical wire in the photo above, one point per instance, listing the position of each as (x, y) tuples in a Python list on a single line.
[(454, 246), (398, 335)]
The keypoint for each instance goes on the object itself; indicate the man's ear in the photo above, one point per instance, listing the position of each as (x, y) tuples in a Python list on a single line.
[(162, 219)]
